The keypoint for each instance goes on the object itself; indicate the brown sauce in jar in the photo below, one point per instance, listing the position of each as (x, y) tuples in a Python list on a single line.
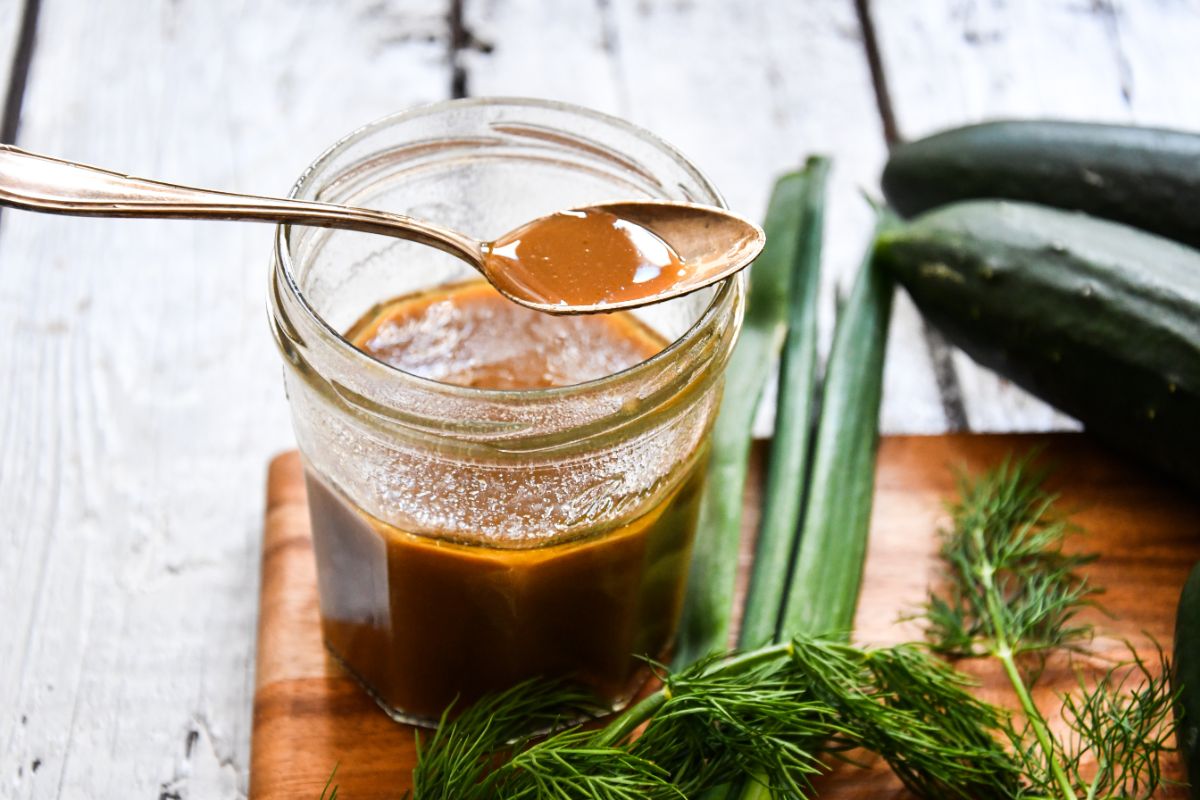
[(422, 620)]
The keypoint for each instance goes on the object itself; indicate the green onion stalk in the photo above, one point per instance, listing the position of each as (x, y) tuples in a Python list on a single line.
[(706, 623)]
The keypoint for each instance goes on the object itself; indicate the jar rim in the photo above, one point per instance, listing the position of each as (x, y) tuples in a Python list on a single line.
[(723, 296)]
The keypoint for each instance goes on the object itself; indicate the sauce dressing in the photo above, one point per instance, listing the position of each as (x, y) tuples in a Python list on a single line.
[(422, 620), (469, 335), (586, 257)]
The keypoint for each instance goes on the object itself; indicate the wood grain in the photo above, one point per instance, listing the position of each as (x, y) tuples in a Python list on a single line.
[(309, 716), (10, 31)]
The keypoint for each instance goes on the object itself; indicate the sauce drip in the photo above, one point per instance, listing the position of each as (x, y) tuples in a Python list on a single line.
[(586, 257)]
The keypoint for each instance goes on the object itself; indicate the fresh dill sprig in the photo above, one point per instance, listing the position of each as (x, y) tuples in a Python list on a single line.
[(459, 759), (723, 718), (570, 764), (1014, 595), (1123, 724), (915, 712), (330, 790), (1119, 727), (766, 715), (1013, 589)]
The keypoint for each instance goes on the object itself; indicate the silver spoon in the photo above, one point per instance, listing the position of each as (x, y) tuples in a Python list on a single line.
[(711, 243)]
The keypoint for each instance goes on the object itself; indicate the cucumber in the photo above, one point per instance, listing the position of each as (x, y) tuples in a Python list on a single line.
[(1099, 319), (1185, 678), (1145, 177)]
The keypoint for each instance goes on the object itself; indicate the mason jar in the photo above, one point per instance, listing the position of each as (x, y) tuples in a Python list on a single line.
[(470, 538)]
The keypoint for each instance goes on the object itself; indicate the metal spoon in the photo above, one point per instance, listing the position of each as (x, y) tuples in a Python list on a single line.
[(711, 242)]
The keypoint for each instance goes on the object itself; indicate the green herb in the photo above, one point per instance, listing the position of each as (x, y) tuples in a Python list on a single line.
[(827, 573), (330, 790), (787, 467), (1123, 724), (769, 712), (1014, 595), (917, 714), (708, 606), (822, 593), (462, 753), (1014, 591)]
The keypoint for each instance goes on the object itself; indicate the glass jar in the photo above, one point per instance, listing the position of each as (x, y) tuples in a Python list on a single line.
[(466, 538)]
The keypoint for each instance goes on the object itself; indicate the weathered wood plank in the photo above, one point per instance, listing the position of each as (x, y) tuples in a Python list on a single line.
[(139, 391), (12, 14), (950, 62), (746, 90)]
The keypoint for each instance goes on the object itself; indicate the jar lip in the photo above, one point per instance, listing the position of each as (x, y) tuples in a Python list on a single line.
[(721, 298)]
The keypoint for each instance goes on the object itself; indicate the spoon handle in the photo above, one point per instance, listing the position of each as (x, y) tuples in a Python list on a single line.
[(41, 183)]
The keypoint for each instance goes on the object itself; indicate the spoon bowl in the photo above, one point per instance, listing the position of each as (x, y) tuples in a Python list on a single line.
[(599, 258), (662, 249)]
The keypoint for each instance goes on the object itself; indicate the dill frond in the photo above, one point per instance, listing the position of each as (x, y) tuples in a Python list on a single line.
[(1122, 725), (1015, 594), (1012, 587)]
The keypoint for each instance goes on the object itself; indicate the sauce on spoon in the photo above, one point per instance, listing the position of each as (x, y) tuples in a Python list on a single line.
[(582, 258)]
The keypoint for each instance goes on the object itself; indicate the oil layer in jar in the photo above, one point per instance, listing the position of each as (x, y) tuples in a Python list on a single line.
[(421, 620)]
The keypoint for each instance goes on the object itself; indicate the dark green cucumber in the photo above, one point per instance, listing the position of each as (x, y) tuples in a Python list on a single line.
[(1185, 678), (1145, 177), (1099, 319)]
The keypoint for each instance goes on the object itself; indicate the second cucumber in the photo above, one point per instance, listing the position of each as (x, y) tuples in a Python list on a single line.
[(1145, 177), (1099, 319)]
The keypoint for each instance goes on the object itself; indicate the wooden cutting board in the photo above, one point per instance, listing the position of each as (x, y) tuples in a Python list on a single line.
[(309, 716)]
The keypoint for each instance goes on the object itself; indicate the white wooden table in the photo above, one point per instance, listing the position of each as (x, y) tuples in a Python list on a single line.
[(140, 395)]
